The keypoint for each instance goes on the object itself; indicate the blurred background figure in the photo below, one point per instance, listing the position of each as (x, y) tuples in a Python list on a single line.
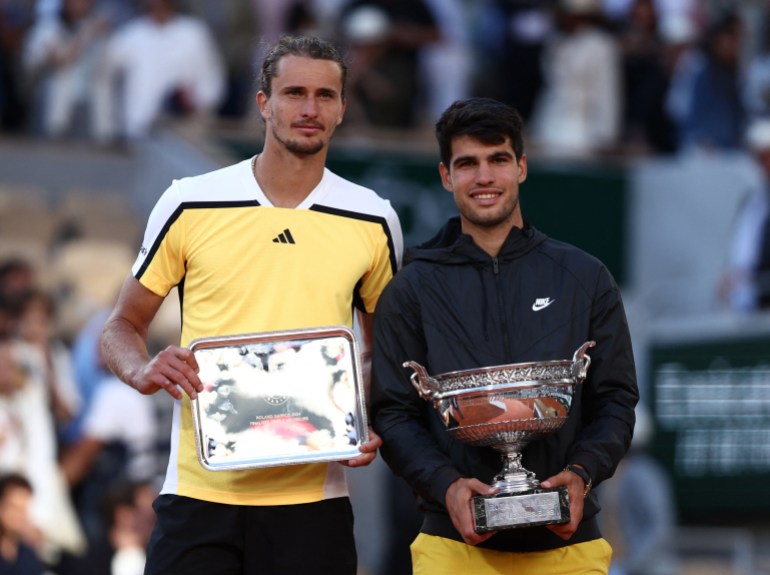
[(234, 26), (28, 447), (715, 117), (117, 442), (682, 59), (446, 64), (163, 63), (18, 536), (13, 106), (62, 54), (645, 80), (745, 284), (127, 520), (385, 40), (578, 113), (36, 326), (510, 37), (757, 83), (17, 276), (638, 517)]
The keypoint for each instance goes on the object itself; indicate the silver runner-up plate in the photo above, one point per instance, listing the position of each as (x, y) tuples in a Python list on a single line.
[(279, 398)]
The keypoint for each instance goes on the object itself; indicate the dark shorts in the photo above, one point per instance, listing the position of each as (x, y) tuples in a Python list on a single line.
[(198, 537)]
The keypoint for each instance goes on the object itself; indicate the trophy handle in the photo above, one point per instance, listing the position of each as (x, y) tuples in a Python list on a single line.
[(420, 379), (581, 361)]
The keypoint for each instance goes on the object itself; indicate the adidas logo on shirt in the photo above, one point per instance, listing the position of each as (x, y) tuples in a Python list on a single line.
[(284, 237)]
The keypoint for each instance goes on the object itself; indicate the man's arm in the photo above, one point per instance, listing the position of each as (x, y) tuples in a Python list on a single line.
[(124, 347), (610, 393), (609, 396)]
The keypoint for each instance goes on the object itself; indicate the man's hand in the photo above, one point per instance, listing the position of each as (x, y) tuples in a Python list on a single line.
[(458, 503), (368, 451), (576, 488), (173, 370)]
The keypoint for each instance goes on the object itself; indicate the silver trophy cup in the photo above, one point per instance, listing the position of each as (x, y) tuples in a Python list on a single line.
[(506, 407)]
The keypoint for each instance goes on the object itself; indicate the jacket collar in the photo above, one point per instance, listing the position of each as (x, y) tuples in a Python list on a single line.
[(452, 247)]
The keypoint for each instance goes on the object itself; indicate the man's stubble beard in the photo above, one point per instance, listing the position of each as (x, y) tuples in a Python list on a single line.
[(299, 148), (492, 221)]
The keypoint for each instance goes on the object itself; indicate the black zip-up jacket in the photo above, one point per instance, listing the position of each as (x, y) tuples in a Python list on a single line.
[(453, 307)]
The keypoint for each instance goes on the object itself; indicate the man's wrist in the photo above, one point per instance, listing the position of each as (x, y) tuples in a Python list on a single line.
[(583, 474)]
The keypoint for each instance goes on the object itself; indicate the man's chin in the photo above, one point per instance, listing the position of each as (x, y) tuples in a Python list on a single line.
[(305, 148)]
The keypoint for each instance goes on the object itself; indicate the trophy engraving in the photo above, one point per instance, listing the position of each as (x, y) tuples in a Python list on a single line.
[(506, 407)]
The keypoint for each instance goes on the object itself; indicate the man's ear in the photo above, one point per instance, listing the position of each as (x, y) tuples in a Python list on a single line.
[(262, 103), (522, 168), (446, 179), (342, 111)]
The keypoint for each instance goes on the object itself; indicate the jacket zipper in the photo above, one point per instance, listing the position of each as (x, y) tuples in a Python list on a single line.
[(503, 322)]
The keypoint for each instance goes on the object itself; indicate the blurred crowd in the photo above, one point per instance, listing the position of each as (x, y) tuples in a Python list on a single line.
[(79, 451), (588, 76), (81, 444)]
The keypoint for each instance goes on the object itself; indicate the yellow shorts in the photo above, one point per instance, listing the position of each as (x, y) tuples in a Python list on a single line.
[(433, 555)]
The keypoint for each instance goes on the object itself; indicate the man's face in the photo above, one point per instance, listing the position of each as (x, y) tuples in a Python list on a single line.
[(306, 104), (485, 182), (12, 377), (14, 510)]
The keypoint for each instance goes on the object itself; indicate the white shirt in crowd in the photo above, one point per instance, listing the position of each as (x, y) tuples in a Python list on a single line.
[(154, 60), (119, 414)]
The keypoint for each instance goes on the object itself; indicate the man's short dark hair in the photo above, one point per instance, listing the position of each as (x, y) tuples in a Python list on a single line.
[(485, 119), (304, 46), (11, 480)]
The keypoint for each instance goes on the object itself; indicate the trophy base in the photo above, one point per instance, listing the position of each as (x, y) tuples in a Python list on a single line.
[(523, 509)]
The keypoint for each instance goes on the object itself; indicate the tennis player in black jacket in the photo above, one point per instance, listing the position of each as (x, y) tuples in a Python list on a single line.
[(489, 289)]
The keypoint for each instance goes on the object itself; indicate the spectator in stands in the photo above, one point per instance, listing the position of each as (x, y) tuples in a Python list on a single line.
[(645, 80), (578, 112), (385, 38), (117, 441), (757, 83), (745, 283), (716, 116), (28, 447), (36, 325), (682, 60), (233, 24), (168, 64), (447, 63), (13, 107), (88, 368), (61, 56), (511, 37), (18, 536), (125, 519), (17, 276), (129, 519)]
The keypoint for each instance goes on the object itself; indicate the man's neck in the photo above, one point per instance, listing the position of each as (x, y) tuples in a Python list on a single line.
[(489, 239), (287, 178), (9, 548)]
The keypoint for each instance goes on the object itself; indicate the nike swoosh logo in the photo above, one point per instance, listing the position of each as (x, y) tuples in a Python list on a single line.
[(542, 303)]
